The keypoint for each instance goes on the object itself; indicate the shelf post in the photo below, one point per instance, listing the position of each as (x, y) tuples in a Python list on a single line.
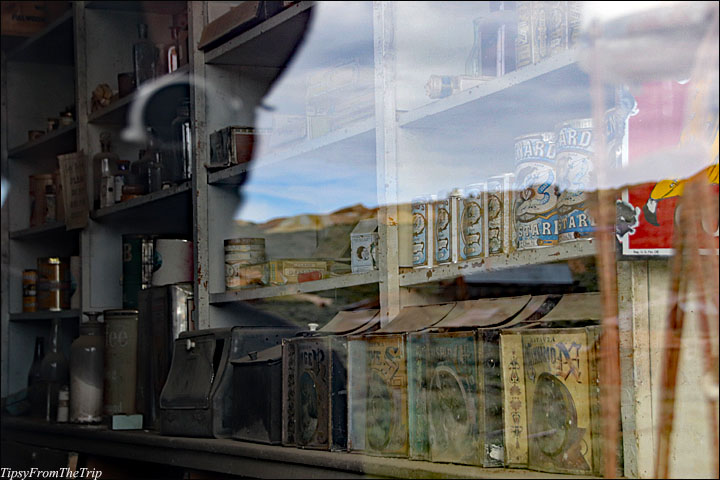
[(197, 13), (5, 234), (386, 153)]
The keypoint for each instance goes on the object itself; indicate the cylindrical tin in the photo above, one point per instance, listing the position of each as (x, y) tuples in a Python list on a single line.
[(524, 40), (29, 283), (535, 204), (445, 213), (53, 285), (174, 261), (121, 341), (138, 266), (38, 204), (498, 214), (240, 252), (471, 224), (576, 179), (557, 26), (423, 250)]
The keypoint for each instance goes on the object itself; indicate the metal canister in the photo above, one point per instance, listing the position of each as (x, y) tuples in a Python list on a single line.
[(524, 39), (38, 204), (240, 252), (121, 341), (173, 261), (557, 26), (53, 284), (471, 222), (138, 265), (576, 179), (445, 208), (29, 283), (423, 223), (535, 204), (498, 217), (574, 21)]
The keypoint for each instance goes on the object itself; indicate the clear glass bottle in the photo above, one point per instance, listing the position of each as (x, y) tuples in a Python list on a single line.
[(145, 57), (104, 161), (54, 373), (182, 142), (87, 355), (35, 387)]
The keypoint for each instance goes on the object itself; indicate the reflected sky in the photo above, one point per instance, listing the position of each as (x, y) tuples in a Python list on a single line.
[(320, 156)]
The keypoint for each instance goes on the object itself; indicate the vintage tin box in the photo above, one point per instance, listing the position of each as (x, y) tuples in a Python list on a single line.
[(472, 239), (232, 145), (197, 399), (423, 228), (498, 214), (363, 244), (377, 383), (454, 386), (446, 226), (315, 383), (535, 203), (551, 426), (576, 179)]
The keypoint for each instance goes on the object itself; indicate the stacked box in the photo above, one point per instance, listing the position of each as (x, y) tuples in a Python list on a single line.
[(314, 383), (377, 383)]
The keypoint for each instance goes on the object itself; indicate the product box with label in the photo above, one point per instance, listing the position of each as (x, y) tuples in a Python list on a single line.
[(363, 244)]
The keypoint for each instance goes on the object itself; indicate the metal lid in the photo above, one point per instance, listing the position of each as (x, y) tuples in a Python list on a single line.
[(576, 306), (349, 321), (412, 319), (485, 312)]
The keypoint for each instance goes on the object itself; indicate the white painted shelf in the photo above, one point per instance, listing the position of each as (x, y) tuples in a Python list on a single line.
[(350, 280), (578, 249)]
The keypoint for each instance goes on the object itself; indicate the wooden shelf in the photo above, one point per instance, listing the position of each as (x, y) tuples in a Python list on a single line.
[(39, 231), (232, 457), (53, 45), (350, 280), (144, 201), (578, 249), (161, 7), (51, 144), (331, 145), (259, 46), (541, 87), (116, 113), (44, 315)]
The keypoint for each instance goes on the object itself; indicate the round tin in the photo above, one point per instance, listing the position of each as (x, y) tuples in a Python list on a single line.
[(535, 203), (121, 335), (53, 284), (499, 224), (422, 227), (471, 224), (443, 208), (173, 261), (576, 179)]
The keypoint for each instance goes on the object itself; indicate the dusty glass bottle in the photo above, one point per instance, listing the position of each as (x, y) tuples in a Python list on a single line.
[(87, 355), (35, 387), (104, 166), (145, 57), (53, 373)]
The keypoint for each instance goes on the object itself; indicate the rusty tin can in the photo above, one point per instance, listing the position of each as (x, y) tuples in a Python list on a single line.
[(535, 203), (577, 179)]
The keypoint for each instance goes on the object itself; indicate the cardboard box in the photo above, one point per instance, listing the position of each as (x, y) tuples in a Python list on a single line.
[(23, 19)]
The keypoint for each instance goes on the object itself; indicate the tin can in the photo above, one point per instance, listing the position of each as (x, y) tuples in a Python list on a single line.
[(535, 204), (557, 31), (53, 284), (239, 253), (540, 31), (29, 283), (446, 221), (423, 249), (574, 21), (173, 259), (50, 204), (576, 179), (138, 265), (498, 214), (524, 39), (471, 225), (121, 341)]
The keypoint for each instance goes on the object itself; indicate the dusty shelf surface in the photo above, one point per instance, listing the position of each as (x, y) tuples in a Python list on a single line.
[(235, 457)]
